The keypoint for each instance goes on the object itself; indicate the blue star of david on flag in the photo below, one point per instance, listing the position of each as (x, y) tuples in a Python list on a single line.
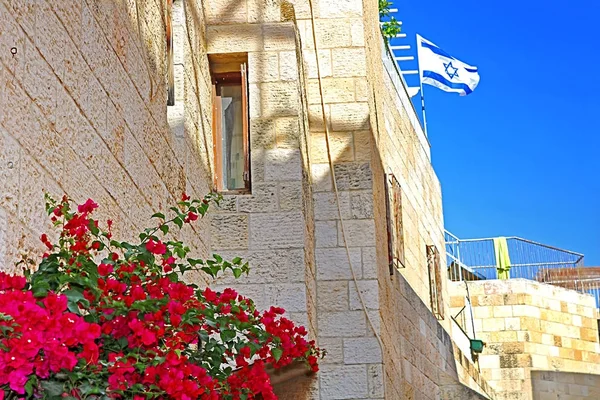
[(450, 70), (442, 70)]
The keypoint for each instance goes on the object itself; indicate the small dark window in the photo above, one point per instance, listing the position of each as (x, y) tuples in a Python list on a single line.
[(230, 128), (170, 57), (395, 228), (435, 281)]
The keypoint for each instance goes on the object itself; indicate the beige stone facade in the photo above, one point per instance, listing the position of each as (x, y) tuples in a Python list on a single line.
[(83, 111), (529, 326)]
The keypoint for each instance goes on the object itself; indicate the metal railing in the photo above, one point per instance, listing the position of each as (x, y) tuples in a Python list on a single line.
[(475, 259)]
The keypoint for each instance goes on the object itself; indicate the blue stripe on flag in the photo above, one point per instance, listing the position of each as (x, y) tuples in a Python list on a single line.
[(471, 69), (436, 50), (441, 79)]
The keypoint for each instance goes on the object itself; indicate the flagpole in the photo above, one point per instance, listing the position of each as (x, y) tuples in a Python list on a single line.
[(421, 86)]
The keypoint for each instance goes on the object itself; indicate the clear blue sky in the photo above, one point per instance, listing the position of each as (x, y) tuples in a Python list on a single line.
[(520, 156)]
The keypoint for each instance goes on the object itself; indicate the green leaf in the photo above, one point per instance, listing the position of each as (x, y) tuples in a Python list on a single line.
[(178, 221), (30, 385), (276, 352), (227, 335), (236, 261), (40, 291), (164, 228), (52, 388), (74, 295), (237, 272), (158, 215)]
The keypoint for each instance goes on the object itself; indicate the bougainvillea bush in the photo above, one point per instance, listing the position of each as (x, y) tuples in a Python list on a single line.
[(105, 319)]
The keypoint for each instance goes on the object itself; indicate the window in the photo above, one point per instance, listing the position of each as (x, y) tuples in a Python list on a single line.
[(170, 56), (435, 281), (395, 228), (230, 123)]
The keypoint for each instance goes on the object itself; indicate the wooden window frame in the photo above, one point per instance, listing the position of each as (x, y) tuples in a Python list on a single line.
[(170, 55), (231, 78), (434, 268), (395, 227)]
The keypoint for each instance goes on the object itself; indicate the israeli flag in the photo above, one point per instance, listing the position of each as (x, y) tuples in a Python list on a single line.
[(438, 68)]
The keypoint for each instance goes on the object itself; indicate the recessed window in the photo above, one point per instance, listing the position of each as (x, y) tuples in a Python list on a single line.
[(230, 124), (170, 56), (435, 281), (395, 228)]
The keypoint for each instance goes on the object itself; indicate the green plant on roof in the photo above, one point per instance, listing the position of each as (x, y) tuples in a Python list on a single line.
[(391, 27)]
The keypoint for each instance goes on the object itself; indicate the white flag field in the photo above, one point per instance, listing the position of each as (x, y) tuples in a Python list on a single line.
[(438, 68)]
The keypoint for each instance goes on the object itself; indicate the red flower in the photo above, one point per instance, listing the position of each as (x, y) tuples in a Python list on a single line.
[(87, 207), (191, 217), (185, 197), (105, 269), (44, 239), (156, 247)]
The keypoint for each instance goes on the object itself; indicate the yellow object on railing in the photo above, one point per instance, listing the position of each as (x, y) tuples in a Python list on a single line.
[(502, 258)]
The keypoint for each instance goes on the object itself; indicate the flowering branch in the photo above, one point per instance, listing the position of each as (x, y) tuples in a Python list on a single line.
[(108, 319)]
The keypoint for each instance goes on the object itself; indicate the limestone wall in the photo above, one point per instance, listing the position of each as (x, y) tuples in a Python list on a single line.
[(553, 385), (83, 112), (530, 326)]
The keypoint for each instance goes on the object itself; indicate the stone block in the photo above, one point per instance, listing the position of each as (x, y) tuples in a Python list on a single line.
[(375, 377), (332, 295), (326, 234), (288, 66), (362, 351), (226, 12), (289, 296), (324, 61), (262, 199), (50, 38), (279, 36), (347, 62), (234, 38), (332, 263), (335, 90), (287, 133), (276, 230), (283, 165), (342, 324), (290, 196), (502, 311), (10, 166), (326, 207), (229, 231), (349, 117), (263, 67), (357, 32), (267, 266), (361, 204), (362, 146), (353, 176), (278, 99), (321, 177), (341, 146), (262, 132), (358, 232), (335, 350), (340, 9), (369, 290), (369, 261), (264, 11)]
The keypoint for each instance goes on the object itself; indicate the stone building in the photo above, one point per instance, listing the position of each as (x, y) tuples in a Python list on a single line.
[(297, 113)]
